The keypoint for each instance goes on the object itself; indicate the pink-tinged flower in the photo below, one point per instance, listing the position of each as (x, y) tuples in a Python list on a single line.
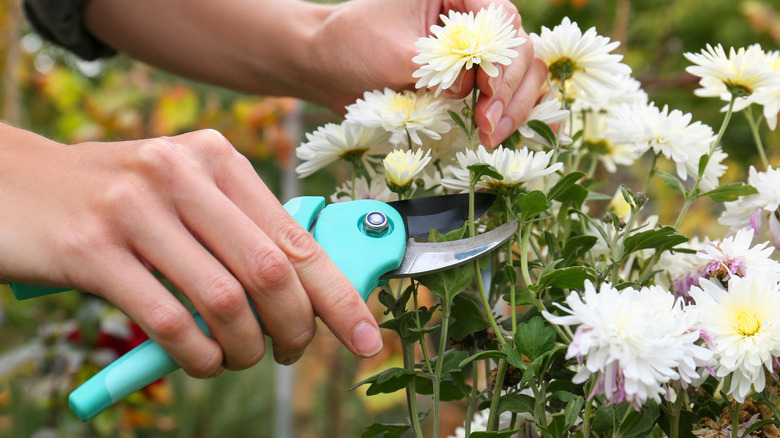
[(751, 210), (734, 256), (637, 342)]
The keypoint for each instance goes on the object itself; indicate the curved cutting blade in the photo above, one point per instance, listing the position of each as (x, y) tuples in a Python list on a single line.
[(442, 213), (428, 257)]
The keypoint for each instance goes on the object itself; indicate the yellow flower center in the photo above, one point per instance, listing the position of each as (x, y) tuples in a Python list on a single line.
[(404, 104), (747, 324)]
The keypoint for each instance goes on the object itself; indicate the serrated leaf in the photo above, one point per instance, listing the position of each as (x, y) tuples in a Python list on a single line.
[(730, 192), (544, 130), (468, 318), (379, 430), (672, 180), (576, 247), (531, 204), (534, 338), (513, 357), (567, 278), (387, 299), (660, 239)]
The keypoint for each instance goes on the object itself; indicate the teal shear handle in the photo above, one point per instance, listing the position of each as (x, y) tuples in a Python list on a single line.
[(363, 253)]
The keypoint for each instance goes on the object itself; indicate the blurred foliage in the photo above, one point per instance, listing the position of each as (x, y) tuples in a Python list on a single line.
[(50, 92)]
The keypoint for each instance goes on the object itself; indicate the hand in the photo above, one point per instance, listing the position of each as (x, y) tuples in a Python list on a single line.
[(101, 217), (369, 44)]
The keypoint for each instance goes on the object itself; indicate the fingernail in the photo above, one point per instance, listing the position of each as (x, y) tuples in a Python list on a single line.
[(503, 130), (366, 339), (456, 87), (493, 84), (291, 360), (216, 373), (493, 115)]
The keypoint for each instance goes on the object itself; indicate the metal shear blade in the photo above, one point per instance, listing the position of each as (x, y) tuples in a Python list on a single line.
[(429, 257)]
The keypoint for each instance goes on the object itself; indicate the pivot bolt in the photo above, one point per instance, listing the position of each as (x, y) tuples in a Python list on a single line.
[(376, 223)]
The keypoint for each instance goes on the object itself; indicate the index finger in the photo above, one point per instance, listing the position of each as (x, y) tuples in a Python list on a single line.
[(332, 296)]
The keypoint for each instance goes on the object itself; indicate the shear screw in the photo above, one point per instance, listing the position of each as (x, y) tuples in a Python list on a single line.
[(376, 223)]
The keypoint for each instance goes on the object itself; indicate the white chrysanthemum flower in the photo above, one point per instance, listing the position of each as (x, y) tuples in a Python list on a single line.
[(416, 114), (464, 41), (744, 323), (582, 60), (549, 111), (669, 133), (769, 96), (678, 270), (611, 154), (734, 256), (516, 166), (348, 141), (635, 341), (740, 73), (375, 188), (402, 166), (710, 180), (750, 210)]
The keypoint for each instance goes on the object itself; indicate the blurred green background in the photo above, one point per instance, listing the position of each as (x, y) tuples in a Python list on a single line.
[(49, 345)]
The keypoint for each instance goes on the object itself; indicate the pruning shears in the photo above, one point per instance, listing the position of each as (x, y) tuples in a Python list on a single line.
[(370, 241)]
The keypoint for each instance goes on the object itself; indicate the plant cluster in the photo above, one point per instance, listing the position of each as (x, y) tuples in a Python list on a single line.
[(592, 321)]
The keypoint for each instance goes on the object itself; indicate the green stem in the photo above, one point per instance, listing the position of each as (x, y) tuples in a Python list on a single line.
[(650, 174), (674, 431), (445, 322), (735, 420), (411, 391), (474, 394), (510, 258), (756, 137), (486, 304), (419, 326), (496, 397), (588, 406)]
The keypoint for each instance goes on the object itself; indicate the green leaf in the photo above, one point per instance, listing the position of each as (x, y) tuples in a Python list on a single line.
[(387, 382), (489, 354), (379, 430), (544, 130), (480, 170), (730, 192), (534, 338), (517, 403), (387, 299), (672, 180), (567, 278), (459, 120), (577, 247), (468, 318), (565, 183), (557, 427), (639, 424), (447, 284), (531, 204), (572, 411), (498, 434), (660, 239), (513, 357)]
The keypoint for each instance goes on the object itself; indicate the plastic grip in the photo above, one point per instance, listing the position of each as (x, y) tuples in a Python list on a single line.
[(361, 256)]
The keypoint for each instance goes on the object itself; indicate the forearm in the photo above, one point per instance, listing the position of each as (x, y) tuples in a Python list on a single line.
[(256, 46)]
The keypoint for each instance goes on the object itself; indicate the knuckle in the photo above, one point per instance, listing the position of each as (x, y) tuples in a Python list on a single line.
[(250, 359), (271, 269), (226, 296), (343, 302), (155, 157), (213, 143), (302, 340), (297, 243), (205, 366), (167, 321)]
